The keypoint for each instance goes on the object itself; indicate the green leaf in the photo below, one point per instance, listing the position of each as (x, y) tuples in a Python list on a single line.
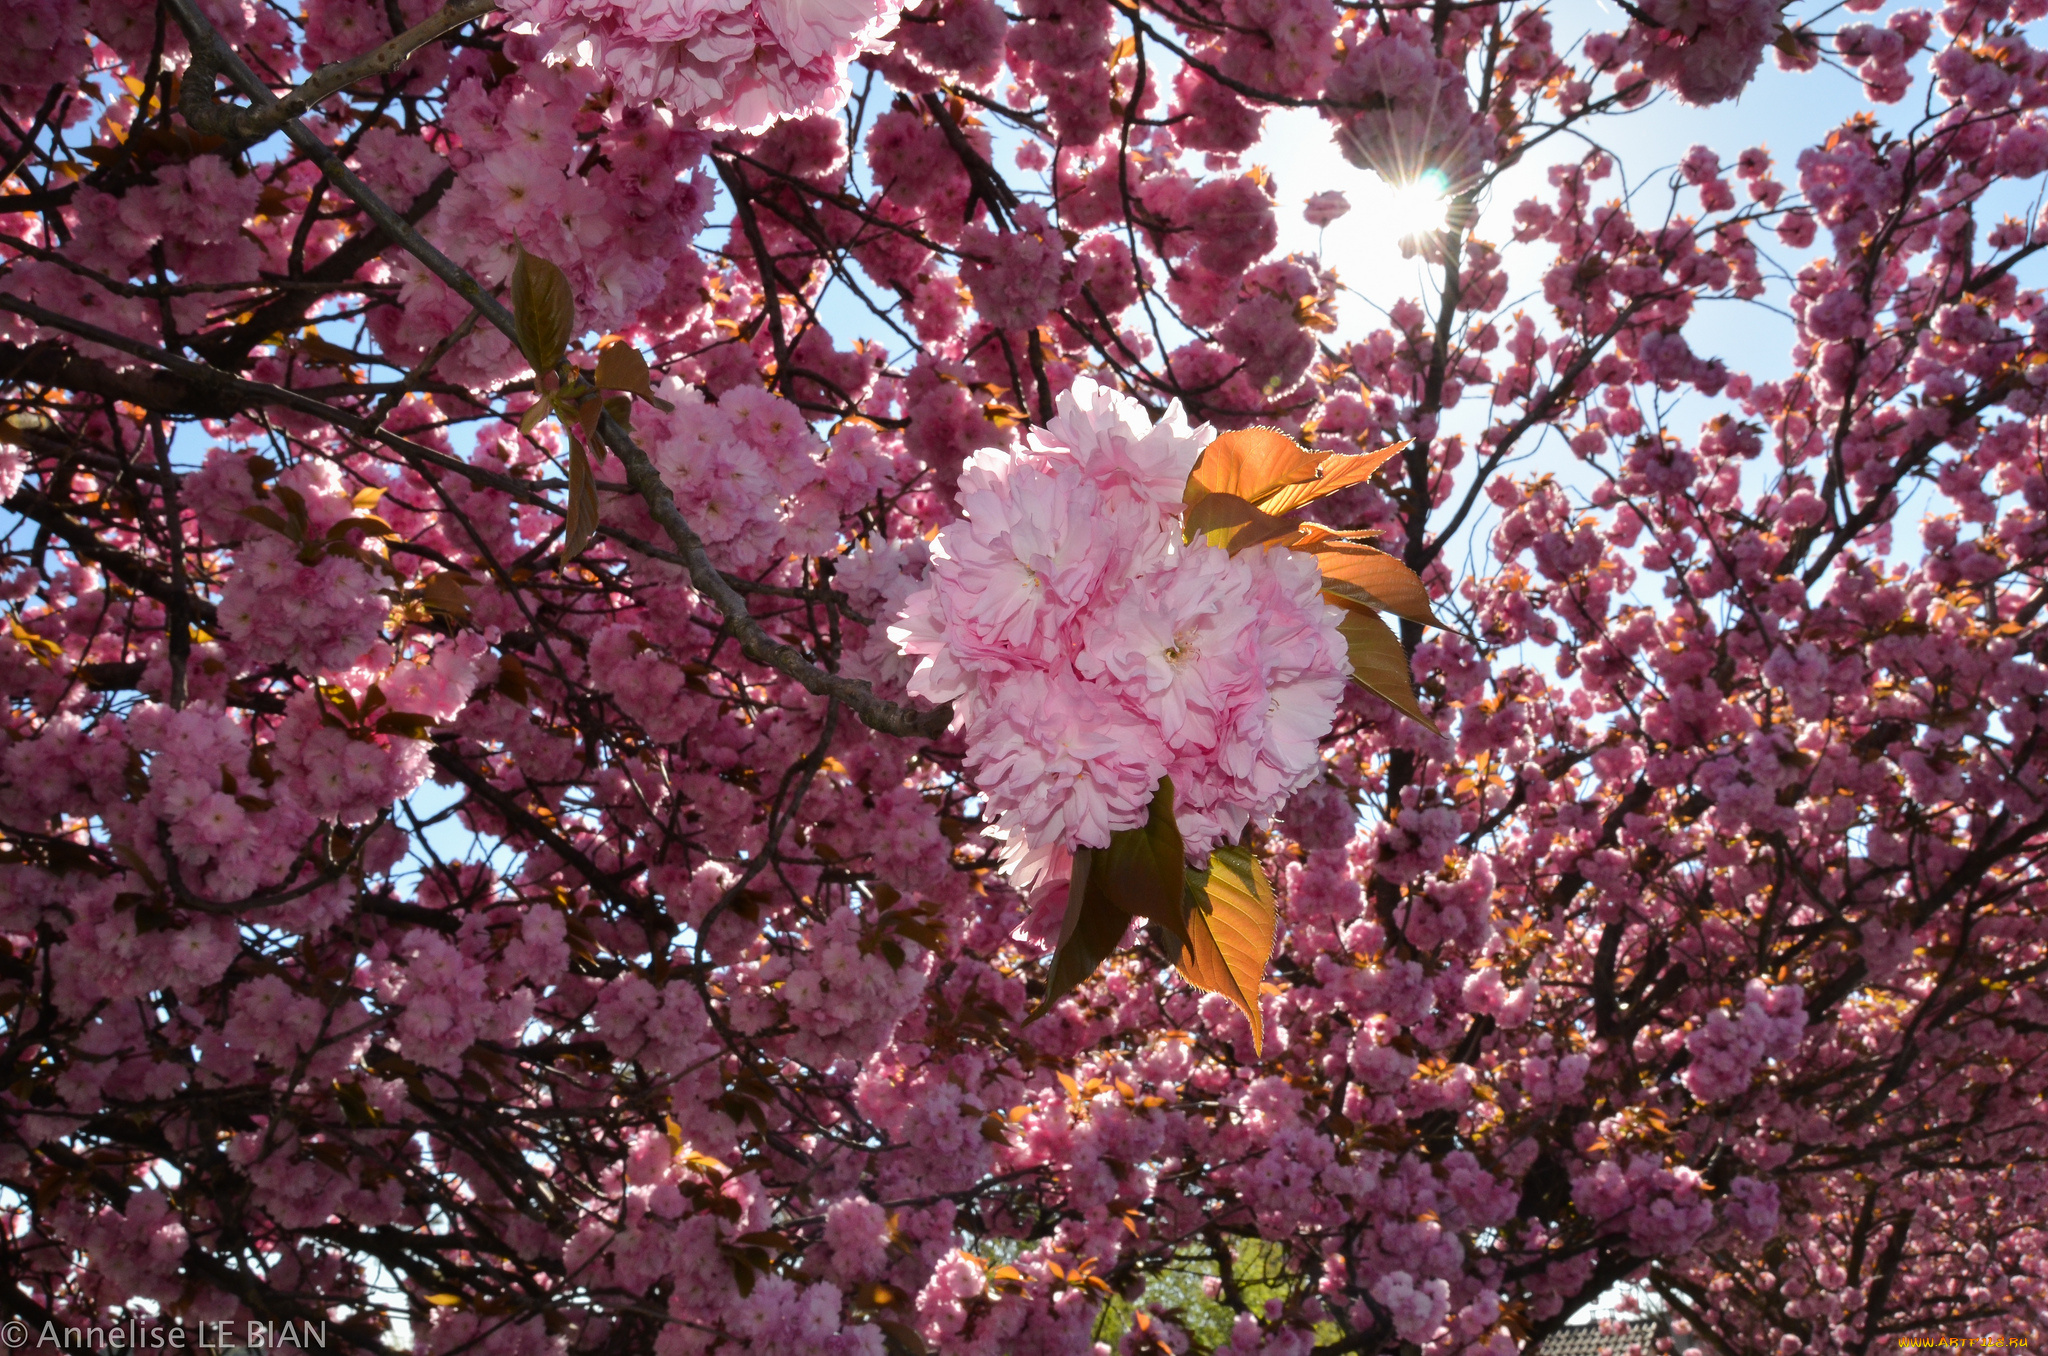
[(903, 1339), (1097, 927), (270, 518), (1379, 662), (405, 723), (1143, 870), (620, 408), (537, 411), (543, 311), (295, 505), (355, 1105), (581, 523), (316, 351), (1231, 924), (1077, 891), (1142, 873)]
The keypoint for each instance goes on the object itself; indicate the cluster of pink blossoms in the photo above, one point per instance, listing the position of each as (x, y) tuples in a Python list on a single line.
[(322, 609), (725, 64), (1089, 652), (1713, 47), (1727, 1049), (1414, 113)]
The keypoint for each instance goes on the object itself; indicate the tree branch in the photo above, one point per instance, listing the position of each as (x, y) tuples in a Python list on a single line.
[(205, 113)]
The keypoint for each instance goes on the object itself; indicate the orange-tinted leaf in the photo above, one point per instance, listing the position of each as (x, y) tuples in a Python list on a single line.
[(512, 679), (1232, 522), (581, 523), (442, 594), (46, 651), (1339, 471), (1382, 582), (621, 368), (1231, 922), (1311, 537), (1379, 662), (543, 311), (369, 524), (1250, 463)]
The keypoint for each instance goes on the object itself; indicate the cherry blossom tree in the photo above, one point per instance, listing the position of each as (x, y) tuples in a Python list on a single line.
[(679, 679)]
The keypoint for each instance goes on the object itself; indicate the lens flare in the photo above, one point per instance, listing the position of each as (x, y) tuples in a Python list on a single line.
[(1417, 206)]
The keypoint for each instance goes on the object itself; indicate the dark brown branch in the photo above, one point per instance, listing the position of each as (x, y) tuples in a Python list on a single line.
[(206, 114)]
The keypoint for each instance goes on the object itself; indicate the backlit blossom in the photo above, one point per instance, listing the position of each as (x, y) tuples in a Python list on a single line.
[(729, 64), (1089, 651)]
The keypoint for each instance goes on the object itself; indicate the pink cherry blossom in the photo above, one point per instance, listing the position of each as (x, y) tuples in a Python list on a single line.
[(1325, 207), (731, 65), (1089, 651)]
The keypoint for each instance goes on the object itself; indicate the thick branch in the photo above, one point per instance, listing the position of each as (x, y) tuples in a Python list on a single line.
[(48, 363), (204, 113)]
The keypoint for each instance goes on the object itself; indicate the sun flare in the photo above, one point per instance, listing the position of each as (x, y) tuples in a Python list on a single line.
[(1417, 206)]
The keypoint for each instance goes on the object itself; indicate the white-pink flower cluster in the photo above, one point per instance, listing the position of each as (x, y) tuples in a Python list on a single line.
[(725, 64), (1089, 652)]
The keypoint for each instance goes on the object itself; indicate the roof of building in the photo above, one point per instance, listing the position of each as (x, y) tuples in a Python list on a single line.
[(1593, 1339)]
